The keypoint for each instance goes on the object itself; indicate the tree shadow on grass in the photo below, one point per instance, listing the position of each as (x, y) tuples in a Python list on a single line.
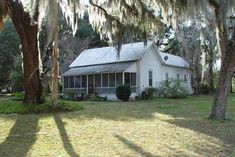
[(64, 136), (134, 147), (188, 113), (21, 137)]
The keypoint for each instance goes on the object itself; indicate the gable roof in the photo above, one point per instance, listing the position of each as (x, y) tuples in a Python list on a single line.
[(129, 53), (97, 69), (173, 60), (105, 55)]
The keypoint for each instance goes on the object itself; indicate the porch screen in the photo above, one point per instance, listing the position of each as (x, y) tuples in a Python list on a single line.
[(84, 81), (97, 80), (66, 82), (118, 79), (111, 80), (105, 80), (71, 82), (77, 82), (133, 79), (127, 78)]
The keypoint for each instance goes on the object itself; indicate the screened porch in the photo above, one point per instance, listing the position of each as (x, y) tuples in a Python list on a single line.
[(101, 84)]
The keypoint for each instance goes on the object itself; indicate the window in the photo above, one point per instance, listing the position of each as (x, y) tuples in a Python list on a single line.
[(166, 77), (127, 78), (66, 82), (112, 80), (178, 76), (97, 80), (118, 79), (185, 77), (133, 79), (77, 82), (105, 80), (150, 78), (84, 81), (71, 82)]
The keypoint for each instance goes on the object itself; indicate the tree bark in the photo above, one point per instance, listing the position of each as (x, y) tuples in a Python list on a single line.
[(223, 89), (227, 50), (54, 97), (28, 31), (211, 72)]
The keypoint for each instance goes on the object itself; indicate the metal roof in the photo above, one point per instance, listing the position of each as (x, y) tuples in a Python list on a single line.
[(96, 69), (172, 60), (104, 55)]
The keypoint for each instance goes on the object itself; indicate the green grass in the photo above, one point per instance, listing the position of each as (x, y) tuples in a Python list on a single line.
[(157, 127), (12, 105)]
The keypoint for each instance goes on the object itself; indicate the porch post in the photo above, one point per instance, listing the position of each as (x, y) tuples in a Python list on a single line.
[(101, 86), (123, 78), (86, 84), (63, 85), (115, 80), (108, 79), (74, 78), (94, 83)]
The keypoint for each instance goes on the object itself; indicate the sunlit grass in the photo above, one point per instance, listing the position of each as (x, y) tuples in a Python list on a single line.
[(157, 127)]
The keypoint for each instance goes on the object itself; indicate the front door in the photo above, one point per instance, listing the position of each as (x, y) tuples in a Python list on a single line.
[(90, 84)]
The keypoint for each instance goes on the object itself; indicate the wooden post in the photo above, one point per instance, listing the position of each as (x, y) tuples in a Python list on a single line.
[(123, 78)]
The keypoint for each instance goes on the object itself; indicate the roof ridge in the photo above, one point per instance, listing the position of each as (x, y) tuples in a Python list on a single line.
[(114, 46)]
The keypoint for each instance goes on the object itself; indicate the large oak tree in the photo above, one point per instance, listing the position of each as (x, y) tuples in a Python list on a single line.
[(118, 20)]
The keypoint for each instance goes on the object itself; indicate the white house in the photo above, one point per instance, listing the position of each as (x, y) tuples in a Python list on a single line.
[(100, 70)]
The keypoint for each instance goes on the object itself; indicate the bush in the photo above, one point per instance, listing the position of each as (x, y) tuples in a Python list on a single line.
[(177, 90), (165, 89), (149, 93), (172, 89), (123, 92), (11, 106), (205, 89), (90, 97), (19, 95)]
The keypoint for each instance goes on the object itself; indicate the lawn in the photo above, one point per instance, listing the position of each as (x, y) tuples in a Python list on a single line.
[(152, 128)]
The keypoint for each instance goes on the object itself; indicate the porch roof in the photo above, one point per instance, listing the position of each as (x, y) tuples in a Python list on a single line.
[(96, 69)]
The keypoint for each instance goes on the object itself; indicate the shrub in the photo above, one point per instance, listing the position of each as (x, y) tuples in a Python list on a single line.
[(149, 93), (165, 89), (172, 89), (95, 97), (19, 95), (69, 95), (11, 106), (177, 90), (205, 89), (123, 92)]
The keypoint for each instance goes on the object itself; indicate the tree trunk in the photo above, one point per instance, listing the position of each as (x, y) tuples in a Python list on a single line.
[(54, 97), (211, 73), (227, 50), (28, 31), (223, 89)]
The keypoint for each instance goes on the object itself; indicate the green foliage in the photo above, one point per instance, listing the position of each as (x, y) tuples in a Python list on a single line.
[(205, 89), (149, 93), (123, 92), (95, 97), (173, 89), (9, 50), (177, 90), (17, 75), (19, 95), (84, 97), (165, 88), (12, 106)]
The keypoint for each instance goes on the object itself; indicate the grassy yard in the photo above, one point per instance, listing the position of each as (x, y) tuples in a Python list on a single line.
[(152, 128)]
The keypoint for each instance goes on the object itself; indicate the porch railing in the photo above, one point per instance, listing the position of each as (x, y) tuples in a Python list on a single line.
[(97, 90)]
